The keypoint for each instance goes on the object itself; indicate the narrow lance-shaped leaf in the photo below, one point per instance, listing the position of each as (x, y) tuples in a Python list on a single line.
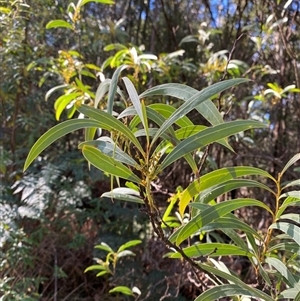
[(48, 94), (129, 244), (137, 104), (168, 135), (108, 164), (197, 99), (227, 290), (207, 109), (97, 1), (108, 122), (211, 214), (113, 88), (217, 190), (290, 229), (217, 176), (58, 23), (212, 250), (107, 146), (208, 136), (63, 101), (122, 197), (290, 163), (122, 289), (55, 133), (283, 270), (235, 280)]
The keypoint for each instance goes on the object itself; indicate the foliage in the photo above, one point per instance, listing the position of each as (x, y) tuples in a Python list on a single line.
[(113, 154), (61, 51), (109, 265)]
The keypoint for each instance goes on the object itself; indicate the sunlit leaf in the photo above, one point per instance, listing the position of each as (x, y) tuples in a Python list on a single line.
[(83, 2), (108, 122), (52, 90), (115, 194), (292, 230), (108, 164), (208, 136), (226, 290), (137, 103), (108, 147), (63, 101), (235, 280), (212, 214), (196, 100), (219, 189), (105, 247), (290, 163), (212, 250), (289, 201), (283, 271), (113, 88), (58, 23), (122, 289), (217, 176), (129, 244), (55, 133), (207, 109)]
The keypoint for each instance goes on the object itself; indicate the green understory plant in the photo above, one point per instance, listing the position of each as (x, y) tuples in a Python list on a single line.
[(108, 267), (138, 145)]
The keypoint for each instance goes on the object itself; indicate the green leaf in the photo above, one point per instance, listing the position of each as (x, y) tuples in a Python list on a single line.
[(108, 147), (102, 273), (294, 194), (137, 104), (166, 111), (105, 247), (58, 23), (55, 133), (108, 164), (230, 222), (113, 88), (217, 176), (95, 267), (290, 293), (291, 216), (129, 244), (63, 101), (124, 194), (125, 253), (297, 298), (292, 230), (285, 246), (219, 189), (244, 287), (195, 100), (212, 250), (283, 271), (290, 163), (292, 183), (225, 290), (207, 109), (89, 134), (289, 201), (212, 214), (108, 122), (101, 91), (54, 89), (122, 289), (83, 2), (206, 137)]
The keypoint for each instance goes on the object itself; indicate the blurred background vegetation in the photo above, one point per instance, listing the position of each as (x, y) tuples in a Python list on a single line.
[(52, 216)]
